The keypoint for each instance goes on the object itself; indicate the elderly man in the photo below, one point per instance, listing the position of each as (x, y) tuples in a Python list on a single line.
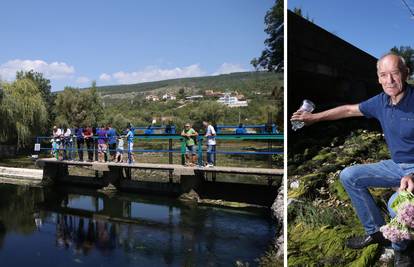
[(190, 135), (394, 108)]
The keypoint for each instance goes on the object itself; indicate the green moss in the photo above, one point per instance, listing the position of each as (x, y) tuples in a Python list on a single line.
[(324, 157), (325, 247), (339, 191), (307, 184), (329, 168), (344, 160), (368, 257), (317, 232)]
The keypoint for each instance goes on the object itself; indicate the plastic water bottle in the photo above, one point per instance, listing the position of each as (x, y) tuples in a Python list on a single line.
[(307, 106)]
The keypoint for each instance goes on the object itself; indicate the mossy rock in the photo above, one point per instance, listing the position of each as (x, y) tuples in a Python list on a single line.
[(325, 246), (337, 188), (344, 160), (323, 157), (307, 184), (328, 168)]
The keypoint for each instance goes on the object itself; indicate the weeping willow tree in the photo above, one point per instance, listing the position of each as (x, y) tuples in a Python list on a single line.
[(23, 112)]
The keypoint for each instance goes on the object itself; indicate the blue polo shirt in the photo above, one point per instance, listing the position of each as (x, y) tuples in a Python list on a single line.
[(397, 122), (111, 133)]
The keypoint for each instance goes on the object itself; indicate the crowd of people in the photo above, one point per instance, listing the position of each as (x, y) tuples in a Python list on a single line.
[(107, 144)]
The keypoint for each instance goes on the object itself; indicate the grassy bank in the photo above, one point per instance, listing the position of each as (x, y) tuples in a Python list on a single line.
[(320, 214)]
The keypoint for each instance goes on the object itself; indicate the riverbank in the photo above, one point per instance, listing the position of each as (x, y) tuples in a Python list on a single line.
[(320, 214)]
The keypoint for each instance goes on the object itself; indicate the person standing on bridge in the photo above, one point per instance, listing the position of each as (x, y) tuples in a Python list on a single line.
[(190, 135), (210, 135), (111, 141), (102, 143), (80, 141), (394, 108), (88, 135), (130, 139)]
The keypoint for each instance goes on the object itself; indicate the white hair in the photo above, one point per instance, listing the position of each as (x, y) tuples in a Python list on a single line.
[(401, 61)]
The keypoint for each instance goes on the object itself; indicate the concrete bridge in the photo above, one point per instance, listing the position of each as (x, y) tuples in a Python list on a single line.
[(187, 178)]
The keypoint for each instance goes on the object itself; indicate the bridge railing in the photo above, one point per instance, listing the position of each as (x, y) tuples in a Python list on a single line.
[(68, 148)]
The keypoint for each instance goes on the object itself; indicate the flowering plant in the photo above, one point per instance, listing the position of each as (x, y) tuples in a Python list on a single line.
[(401, 227)]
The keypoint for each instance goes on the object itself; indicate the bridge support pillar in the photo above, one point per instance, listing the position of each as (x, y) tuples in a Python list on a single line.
[(51, 172), (191, 182)]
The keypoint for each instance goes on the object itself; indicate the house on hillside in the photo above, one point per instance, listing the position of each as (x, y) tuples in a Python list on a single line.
[(232, 101), (169, 97), (211, 93), (194, 97), (152, 98)]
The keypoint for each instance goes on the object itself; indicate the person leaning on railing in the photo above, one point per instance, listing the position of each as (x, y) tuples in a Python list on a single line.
[(56, 141), (191, 154), (80, 141), (211, 143), (67, 144), (111, 133), (130, 138), (88, 136)]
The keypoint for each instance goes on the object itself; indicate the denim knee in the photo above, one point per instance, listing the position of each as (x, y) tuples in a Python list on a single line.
[(346, 175)]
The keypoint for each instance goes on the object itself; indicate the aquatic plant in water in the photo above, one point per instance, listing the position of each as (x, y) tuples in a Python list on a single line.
[(401, 227)]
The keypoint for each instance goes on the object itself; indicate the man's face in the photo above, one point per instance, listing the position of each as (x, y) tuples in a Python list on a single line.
[(391, 75)]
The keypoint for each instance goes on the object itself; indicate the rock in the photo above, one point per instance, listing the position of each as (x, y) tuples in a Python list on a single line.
[(277, 212), (109, 190), (294, 184), (190, 196)]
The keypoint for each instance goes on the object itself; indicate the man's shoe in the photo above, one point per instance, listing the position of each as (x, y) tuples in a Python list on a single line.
[(359, 242), (402, 259)]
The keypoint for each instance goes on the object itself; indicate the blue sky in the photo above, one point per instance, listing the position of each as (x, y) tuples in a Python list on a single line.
[(129, 41), (374, 26)]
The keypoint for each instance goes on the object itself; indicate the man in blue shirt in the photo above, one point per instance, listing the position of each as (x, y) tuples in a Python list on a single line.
[(130, 139), (241, 129), (394, 109), (111, 134)]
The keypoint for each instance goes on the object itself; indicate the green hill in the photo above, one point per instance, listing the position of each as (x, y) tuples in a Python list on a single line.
[(262, 90)]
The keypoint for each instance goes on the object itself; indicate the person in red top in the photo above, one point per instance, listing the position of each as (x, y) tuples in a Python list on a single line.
[(88, 135)]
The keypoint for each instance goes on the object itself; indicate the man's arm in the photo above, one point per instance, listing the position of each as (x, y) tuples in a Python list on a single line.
[(337, 113)]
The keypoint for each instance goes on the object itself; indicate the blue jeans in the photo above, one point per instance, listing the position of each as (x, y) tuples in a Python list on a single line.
[(358, 178), (211, 153)]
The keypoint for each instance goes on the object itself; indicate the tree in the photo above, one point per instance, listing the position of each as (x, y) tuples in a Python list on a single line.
[(181, 93), (41, 82), (23, 112), (407, 53), (74, 107), (298, 11), (271, 58), (210, 111)]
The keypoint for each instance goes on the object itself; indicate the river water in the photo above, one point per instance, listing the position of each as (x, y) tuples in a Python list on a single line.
[(82, 227)]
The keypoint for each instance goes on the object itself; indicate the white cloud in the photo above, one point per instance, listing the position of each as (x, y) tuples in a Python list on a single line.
[(105, 77), (226, 68), (153, 73), (53, 70), (83, 79)]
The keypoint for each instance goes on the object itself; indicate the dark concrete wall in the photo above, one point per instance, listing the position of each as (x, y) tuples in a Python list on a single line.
[(326, 69), (7, 151)]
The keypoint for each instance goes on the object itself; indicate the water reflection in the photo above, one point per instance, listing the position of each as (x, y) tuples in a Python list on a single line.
[(124, 230)]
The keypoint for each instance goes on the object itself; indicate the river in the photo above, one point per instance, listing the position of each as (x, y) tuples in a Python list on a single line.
[(82, 227)]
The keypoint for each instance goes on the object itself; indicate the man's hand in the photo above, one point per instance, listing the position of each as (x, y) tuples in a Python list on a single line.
[(304, 116), (407, 183)]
